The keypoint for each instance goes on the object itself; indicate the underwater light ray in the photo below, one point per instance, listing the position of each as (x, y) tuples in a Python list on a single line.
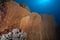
[(44, 2)]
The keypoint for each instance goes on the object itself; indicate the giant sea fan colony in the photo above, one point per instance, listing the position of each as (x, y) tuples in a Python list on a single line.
[(37, 27)]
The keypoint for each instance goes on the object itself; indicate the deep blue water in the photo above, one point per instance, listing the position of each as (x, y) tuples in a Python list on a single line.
[(51, 7)]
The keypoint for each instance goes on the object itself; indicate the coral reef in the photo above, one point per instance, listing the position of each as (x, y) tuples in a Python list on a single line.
[(37, 27)]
